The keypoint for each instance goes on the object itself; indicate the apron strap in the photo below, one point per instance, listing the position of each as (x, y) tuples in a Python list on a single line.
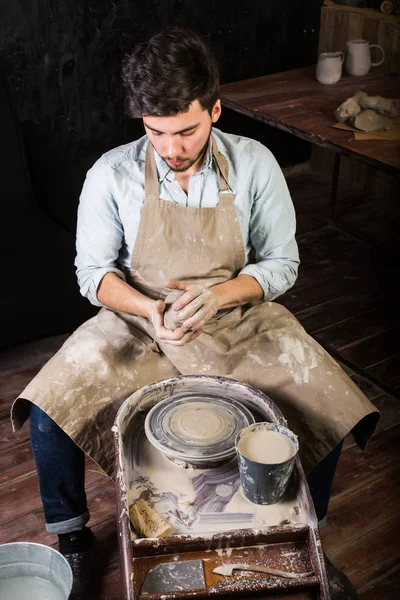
[(151, 183), (225, 193)]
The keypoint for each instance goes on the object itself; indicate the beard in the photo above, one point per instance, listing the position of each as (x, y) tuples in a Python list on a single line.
[(187, 163)]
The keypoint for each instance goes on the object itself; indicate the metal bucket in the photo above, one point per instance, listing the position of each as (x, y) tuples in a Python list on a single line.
[(45, 570)]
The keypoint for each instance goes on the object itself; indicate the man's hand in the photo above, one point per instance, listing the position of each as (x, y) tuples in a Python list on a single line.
[(196, 306), (175, 337)]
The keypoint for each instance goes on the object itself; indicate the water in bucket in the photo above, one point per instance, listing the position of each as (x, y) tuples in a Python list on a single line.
[(24, 587), (30, 571)]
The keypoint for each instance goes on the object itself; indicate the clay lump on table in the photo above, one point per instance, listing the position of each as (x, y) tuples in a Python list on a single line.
[(368, 113)]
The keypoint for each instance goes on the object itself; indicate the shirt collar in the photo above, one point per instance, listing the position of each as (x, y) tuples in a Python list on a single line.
[(164, 171)]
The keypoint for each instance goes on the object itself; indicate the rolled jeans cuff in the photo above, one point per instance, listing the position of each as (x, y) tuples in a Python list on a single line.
[(69, 525)]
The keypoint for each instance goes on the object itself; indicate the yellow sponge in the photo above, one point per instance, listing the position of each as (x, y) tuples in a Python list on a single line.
[(147, 522)]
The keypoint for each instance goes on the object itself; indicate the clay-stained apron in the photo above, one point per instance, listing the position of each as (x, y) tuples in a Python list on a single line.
[(114, 354)]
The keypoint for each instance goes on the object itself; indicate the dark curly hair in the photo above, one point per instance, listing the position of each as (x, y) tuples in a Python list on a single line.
[(165, 75)]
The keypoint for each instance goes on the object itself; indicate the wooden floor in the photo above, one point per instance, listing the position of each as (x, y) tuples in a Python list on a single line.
[(347, 298)]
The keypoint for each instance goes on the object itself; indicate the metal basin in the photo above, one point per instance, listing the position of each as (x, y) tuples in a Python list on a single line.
[(43, 569)]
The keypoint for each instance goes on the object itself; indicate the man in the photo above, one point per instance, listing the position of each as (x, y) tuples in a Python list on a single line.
[(182, 209)]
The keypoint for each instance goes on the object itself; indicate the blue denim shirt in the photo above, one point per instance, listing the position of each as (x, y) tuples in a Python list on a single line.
[(113, 195)]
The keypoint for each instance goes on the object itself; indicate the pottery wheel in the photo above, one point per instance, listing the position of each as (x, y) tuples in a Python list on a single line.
[(197, 428)]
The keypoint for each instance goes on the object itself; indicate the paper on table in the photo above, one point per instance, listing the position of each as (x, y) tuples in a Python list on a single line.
[(392, 134)]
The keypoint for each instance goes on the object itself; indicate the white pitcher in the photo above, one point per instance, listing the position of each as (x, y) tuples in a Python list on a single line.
[(358, 57), (329, 67)]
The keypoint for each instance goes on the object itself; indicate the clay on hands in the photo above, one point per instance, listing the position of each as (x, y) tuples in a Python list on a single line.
[(171, 319)]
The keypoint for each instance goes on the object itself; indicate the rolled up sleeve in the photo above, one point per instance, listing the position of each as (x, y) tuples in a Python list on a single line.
[(272, 229), (99, 232)]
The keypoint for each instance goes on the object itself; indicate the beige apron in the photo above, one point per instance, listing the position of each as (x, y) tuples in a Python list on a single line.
[(114, 354)]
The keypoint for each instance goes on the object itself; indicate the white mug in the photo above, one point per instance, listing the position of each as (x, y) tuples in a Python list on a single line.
[(329, 67), (358, 57)]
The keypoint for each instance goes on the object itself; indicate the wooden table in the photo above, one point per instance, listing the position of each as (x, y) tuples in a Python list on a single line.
[(295, 102)]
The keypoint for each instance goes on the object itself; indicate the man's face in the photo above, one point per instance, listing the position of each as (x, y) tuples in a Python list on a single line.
[(181, 140)]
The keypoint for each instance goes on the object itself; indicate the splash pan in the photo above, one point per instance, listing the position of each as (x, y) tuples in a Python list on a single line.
[(208, 524), (196, 429)]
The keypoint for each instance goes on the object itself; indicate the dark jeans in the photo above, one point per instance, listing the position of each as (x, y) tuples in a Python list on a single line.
[(320, 481), (61, 470)]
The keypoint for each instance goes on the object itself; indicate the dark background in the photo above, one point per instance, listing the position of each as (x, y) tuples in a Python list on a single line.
[(61, 60)]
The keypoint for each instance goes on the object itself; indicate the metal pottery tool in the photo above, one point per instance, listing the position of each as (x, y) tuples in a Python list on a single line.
[(174, 577), (228, 569)]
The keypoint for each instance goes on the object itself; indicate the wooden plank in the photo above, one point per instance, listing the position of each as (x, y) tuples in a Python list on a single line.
[(107, 585), (22, 484), (372, 351), (370, 555), (387, 371), (371, 29), (360, 512), (31, 355), (363, 517), (364, 12), (389, 408), (321, 291), (311, 200), (19, 458), (341, 260), (21, 507), (327, 30), (394, 65), (371, 390), (107, 561), (381, 226), (386, 35), (357, 468), (326, 273), (355, 330), (323, 30), (341, 34), (11, 388), (365, 203), (386, 586), (349, 251), (356, 22), (110, 586), (20, 364), (338, 310), (17, 463), (9, 439), (323, 235), (341, 249)]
